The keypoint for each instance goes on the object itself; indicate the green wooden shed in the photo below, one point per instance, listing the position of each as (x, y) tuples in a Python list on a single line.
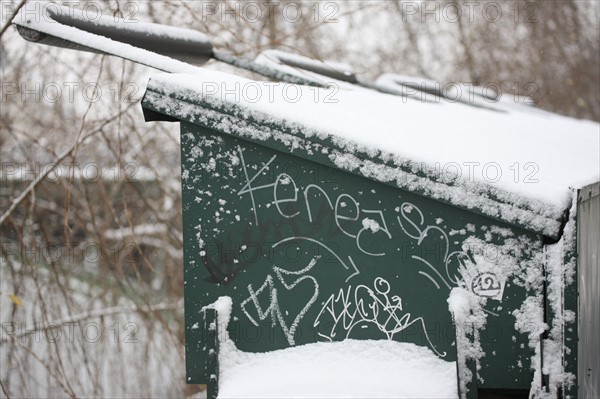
[(318, 209)]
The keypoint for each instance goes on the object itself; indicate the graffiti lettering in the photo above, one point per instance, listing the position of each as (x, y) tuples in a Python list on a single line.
[(363, 307)]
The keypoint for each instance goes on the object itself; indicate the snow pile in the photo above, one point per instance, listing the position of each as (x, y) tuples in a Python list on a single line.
[(346, 369)]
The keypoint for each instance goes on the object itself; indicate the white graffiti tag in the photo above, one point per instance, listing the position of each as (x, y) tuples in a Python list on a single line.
[(412, 223), (273, 311), (354, 270), (347, 212), (362, 307)]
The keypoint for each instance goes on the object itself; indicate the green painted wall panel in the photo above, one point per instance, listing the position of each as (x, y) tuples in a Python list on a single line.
[(285, 238)]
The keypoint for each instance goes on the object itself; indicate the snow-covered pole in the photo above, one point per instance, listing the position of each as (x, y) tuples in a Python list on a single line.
[(167, 48)]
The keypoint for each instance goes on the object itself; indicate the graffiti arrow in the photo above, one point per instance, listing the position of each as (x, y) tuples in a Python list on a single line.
[(351, 262)]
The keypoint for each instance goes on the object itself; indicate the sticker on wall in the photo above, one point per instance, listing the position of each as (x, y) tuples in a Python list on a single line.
[(488, 285)]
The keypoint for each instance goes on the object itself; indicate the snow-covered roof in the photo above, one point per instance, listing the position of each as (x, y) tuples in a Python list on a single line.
[(515, 163)]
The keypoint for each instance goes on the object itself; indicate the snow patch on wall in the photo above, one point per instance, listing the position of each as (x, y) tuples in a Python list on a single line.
[(470, 319)]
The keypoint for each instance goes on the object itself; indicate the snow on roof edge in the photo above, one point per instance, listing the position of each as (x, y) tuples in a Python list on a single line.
[(489, 201)]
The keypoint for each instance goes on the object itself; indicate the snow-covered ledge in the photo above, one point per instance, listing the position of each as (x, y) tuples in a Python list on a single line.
[(346, 369)]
